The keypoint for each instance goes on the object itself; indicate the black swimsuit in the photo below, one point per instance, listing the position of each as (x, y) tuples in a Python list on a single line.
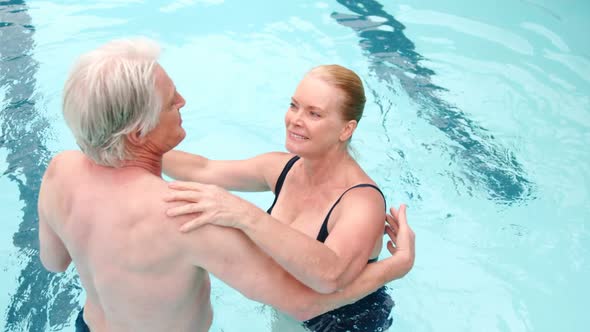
[(370, 313)]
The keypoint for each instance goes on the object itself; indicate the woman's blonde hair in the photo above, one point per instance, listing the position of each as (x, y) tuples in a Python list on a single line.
[(349, 83)]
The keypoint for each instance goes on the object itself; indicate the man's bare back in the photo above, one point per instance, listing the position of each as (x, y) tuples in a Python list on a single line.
[(141, 273)]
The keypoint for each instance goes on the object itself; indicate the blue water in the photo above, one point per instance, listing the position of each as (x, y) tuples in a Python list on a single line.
[(478, 118)]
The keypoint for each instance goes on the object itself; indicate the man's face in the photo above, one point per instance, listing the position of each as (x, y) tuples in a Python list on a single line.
[(169, 132)]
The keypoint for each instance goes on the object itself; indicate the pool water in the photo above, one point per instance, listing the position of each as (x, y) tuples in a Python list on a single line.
[(478, 118)]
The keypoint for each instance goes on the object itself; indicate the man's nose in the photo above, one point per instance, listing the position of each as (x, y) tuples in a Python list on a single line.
[(182, 101)]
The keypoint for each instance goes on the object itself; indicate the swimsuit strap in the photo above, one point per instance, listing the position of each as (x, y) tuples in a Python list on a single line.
[(281, 180), (323, 234)]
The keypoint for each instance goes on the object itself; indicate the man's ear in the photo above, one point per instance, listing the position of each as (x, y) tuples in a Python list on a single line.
[(134, 138), (348, 129)]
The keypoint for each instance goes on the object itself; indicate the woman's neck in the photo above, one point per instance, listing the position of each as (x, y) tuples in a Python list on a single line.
[(326, 169)]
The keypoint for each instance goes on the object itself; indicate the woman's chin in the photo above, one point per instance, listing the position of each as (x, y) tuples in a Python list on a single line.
[(292, 148)]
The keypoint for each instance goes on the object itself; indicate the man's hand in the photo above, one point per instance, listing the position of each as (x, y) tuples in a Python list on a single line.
[(402, 238)]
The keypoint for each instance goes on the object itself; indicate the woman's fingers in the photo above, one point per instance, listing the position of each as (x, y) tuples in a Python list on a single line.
[(183, 209), (185, 185), (188, 196), (192, 225)]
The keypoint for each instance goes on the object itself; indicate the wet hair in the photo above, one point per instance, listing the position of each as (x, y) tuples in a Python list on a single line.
[(349, 83), (111, 92)]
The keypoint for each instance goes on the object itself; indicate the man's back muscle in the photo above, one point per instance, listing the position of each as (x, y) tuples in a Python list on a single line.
[(114, 226)]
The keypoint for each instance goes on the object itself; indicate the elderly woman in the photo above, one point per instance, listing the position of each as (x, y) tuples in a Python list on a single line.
[(326, 222)]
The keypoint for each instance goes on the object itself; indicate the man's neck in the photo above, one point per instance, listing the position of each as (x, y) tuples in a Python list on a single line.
[(147, 161)]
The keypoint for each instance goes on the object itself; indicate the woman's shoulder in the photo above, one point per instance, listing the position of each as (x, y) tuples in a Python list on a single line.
[(271, 165), (360, 176), (364, 189), (275, 159), (364, 198), (278, 154)]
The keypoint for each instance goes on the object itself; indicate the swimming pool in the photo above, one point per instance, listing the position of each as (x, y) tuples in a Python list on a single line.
[(478, 118)]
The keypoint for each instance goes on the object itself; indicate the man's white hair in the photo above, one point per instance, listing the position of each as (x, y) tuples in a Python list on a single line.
[(111, 92)]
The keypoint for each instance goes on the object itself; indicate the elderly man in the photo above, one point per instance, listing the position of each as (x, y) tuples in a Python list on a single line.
[(104, 208)]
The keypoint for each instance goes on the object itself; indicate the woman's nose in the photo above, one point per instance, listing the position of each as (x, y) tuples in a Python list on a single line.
[(297, 117)]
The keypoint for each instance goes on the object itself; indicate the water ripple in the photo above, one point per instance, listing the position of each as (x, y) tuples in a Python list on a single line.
[(394, 58)]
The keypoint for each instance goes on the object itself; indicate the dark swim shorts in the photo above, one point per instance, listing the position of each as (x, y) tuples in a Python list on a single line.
[(80, 323), (370, 314)]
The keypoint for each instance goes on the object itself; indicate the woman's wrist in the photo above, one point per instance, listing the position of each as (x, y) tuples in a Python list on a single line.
[(250, 218)]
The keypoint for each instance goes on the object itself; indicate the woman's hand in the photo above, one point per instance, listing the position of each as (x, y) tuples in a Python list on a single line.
[(402, 238), (212, 205)]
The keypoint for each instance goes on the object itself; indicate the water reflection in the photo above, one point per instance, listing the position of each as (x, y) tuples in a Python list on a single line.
[(393, 60), (41, 299)]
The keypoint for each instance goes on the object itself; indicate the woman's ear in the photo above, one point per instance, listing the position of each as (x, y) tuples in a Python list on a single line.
[(347, 131)]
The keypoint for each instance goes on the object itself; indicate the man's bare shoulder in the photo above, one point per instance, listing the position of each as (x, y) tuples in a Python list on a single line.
[(65, 162), (63, 166), (69, 156)]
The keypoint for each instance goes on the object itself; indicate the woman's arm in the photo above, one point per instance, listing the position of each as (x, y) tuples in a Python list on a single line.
[(254, 174), (323, 267), (184, 166)]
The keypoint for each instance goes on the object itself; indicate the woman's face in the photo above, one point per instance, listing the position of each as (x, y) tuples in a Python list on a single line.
[(314, 121)]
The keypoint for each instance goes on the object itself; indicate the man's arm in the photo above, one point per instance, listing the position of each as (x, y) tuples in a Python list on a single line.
[(52, 251), (401, 245), (371, 278), (325, 267), (233, 258)]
